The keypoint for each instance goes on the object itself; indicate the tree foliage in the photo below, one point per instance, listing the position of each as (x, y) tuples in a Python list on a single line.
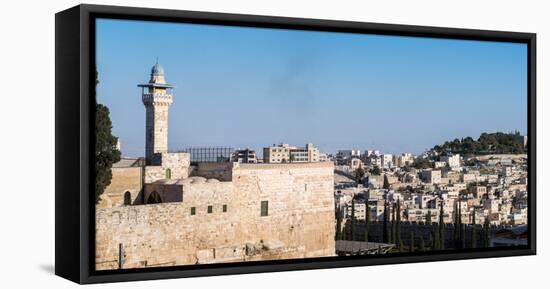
[(487, 143), (375, 171), (422, 163), (359, 175), (352, 219), (441, 228), (106, 152), (474, 230), (386, 185)]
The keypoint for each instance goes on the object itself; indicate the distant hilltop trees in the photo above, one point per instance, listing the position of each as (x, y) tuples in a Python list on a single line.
[(487, 143)]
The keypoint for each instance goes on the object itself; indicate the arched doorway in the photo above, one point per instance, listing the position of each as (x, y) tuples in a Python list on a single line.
[(127, 198), (154, 198)]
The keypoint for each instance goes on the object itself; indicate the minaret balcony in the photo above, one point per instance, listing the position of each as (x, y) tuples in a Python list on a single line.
[(156, 98)]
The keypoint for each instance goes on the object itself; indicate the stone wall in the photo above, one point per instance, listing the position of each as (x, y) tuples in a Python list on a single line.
[(300, 221), (123, 180), (177, 163), (220, 171)]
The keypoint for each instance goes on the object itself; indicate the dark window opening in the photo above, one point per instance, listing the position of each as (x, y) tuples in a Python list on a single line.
[(154, 198), (209, 209), (127, 198), (224, 208), (264, 209), (193, 211)]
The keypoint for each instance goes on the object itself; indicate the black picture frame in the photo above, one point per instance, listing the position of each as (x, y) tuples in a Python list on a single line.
[(74, 123)]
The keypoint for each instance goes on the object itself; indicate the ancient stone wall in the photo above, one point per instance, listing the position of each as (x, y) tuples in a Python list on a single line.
[(123, 180), (177, 163), (227, 225), (220, 171)]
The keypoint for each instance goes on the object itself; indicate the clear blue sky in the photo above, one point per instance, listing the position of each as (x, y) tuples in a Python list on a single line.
[(252, 87)]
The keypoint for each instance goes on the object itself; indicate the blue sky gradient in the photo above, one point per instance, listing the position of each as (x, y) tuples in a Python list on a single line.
[(252, 87)]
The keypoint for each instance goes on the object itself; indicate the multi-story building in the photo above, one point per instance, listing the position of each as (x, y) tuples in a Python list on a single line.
[(431, 176), (284, 153), (386, 161), (452, 160), (247, 156), (405, 159)]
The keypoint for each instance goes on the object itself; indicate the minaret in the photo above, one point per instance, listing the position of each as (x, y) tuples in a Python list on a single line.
[(157, 99)]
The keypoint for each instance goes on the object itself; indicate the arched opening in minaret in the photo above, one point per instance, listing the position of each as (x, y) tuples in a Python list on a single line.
[(168, 174), (154, 198)]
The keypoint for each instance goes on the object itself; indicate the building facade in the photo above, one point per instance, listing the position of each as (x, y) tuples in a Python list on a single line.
[(285, 153)]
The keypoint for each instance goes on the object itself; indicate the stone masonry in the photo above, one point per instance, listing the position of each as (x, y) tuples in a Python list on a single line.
[(299, 224)]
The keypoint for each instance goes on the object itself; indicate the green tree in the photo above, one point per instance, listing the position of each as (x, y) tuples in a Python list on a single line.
[(398, 221), (359, 175), (474, 230), (367, 219), (486, 233), (352, 219), (393, 237), (385, 232), (422, 163), (461, 237), (411, 246), (106, 152), (386, 183), (441, 228), (422, 245), (436, 240), (338, 224), (375, 171), (429, 217), (456, 234)]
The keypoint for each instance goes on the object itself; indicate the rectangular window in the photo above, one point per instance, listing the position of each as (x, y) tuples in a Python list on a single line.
[(209, 209), (192, 211), (224, 208), (264, 209)]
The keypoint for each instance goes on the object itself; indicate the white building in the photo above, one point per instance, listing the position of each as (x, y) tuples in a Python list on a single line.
[(453, 161), (431, 176), (386, 161)]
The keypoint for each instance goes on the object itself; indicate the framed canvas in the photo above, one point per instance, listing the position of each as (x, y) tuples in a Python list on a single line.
[(196, 144)]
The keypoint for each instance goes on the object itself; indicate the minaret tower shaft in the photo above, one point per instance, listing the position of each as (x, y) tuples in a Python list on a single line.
[(157, 98)]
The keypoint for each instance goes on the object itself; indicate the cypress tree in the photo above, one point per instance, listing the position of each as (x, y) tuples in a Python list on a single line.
[(339, 224), (385, 235), (461, 235), (352, 229), (429, 217), (436, 240), (456, 236), (386, 182), (486, 233), (367, 219), (393, 237), (474, 230), (441, 229), (411, 246), (398, 221), (422, 245), (106, 153)]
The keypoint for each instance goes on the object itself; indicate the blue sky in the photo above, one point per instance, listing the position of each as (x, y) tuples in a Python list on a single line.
[(252, 87)]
